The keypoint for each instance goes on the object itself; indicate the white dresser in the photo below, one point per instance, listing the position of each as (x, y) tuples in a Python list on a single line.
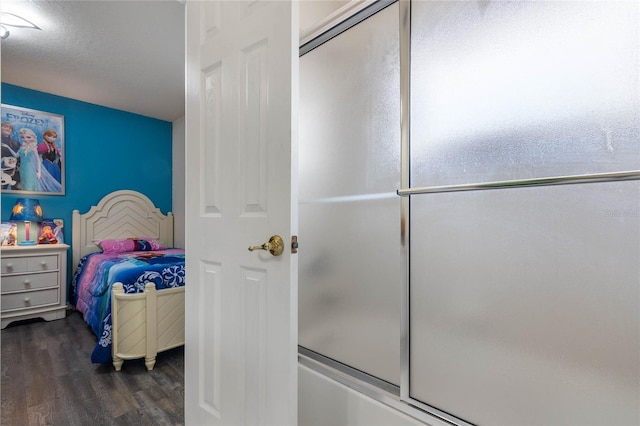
[(34, 282)]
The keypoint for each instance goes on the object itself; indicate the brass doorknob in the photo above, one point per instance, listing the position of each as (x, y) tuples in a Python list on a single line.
[(275, 246)]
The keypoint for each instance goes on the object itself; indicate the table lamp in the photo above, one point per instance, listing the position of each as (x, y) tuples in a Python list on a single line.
[(26, 210)]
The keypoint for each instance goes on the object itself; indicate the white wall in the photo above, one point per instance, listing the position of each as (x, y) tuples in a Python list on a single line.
[(178, 183), (313, 11)]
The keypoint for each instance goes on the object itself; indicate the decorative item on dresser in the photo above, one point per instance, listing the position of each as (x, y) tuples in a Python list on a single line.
[(26, 210), (34, 282)]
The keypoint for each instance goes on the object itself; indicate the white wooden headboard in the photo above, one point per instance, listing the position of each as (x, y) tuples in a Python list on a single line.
[(121, 214)]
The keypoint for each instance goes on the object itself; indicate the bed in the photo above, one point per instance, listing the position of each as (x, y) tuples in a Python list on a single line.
[(130, 289)]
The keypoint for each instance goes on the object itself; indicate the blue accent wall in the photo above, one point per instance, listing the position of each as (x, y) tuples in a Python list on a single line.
[(104, 150)]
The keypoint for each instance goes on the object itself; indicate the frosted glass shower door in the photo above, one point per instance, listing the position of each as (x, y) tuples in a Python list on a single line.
[(525, 302), (350, 264)]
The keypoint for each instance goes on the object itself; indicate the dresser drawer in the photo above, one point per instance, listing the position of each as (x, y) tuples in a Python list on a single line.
[(13, 265), (42, 263), (30, 299), (29, 282)]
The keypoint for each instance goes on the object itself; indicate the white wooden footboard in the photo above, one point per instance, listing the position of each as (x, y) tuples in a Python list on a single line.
[(144, 324)]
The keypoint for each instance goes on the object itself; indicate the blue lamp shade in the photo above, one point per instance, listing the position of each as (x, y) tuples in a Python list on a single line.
[(26, 210)]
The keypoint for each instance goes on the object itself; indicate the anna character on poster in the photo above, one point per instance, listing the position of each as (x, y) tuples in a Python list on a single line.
[(50, 154)]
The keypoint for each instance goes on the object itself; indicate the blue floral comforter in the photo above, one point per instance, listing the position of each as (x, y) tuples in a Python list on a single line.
[(96, 274)]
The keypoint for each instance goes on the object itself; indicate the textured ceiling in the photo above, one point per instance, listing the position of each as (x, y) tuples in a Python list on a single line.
[(127, 55)]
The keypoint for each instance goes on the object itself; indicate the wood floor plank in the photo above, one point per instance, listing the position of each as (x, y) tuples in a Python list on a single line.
[(42, 414), (48, 379)]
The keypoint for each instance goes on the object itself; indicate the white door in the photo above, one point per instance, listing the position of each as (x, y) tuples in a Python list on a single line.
[(241, 306)]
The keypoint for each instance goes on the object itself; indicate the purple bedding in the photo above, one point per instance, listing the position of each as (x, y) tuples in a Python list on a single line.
[(96, 274)]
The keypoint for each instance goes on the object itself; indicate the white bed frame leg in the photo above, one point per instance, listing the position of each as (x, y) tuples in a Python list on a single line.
[(117, 363), (138, 337), (150, 362), (152, 325)]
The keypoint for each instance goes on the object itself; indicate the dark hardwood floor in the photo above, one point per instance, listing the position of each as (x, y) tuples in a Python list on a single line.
[(48, 379)]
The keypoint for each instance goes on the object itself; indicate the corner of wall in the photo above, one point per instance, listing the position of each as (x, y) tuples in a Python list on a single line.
[(178, 169)]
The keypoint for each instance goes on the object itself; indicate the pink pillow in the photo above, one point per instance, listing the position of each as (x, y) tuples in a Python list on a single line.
[(116, 246), (155, 244), (129, 244)]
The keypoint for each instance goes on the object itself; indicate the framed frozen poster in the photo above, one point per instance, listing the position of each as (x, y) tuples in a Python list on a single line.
[(32, 151)]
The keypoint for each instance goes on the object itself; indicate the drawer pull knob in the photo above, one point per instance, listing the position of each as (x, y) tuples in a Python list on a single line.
[(27, 300), (43, 263), (9, 265), (27, 283)]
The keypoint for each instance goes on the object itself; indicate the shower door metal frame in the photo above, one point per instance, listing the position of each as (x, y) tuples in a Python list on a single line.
[(405, 183)]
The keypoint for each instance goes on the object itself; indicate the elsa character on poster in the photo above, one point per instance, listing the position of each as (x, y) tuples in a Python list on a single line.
[(34, 177)]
